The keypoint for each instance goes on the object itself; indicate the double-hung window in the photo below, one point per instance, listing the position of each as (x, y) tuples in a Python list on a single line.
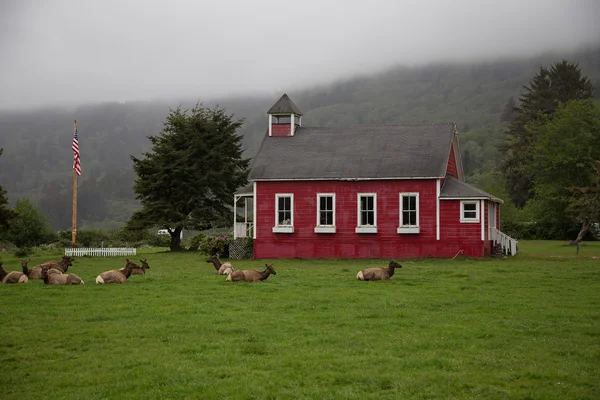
[(367, 213), (284, 213), (469, 211), (409, 213), (325, 213)]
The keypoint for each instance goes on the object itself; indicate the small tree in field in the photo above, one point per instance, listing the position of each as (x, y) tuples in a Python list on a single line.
[(29, 227), (188, 179)]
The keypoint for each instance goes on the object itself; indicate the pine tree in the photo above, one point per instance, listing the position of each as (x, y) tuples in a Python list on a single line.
[(549, 88), (188, 179)]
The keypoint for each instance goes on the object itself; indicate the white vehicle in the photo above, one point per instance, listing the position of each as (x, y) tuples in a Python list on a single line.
[(166, 232)]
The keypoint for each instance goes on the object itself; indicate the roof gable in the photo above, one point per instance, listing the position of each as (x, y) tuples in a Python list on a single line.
[(357, 152), (284, 105)]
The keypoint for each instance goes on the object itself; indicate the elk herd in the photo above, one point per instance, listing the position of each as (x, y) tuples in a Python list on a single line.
[(55, 272)]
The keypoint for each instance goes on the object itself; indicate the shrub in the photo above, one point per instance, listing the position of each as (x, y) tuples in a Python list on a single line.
[(30, 227), (23, 251), (543, 230), (213, 244)]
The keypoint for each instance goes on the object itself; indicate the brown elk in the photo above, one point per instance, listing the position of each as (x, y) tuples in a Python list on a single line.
[(251, 275), (116, 276), (52, 276), (12, 276), (137, 270), (62, 266), (222, 268), (378, 273)]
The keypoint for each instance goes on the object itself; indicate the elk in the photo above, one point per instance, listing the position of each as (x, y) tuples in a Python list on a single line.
[(251, 275), (222, 269), (137, 270), (62, 266), (12, 276), (378, 273), (116, 276), (52, 276)]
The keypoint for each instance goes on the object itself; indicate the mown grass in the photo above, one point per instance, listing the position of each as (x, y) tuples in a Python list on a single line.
[(525, 327)]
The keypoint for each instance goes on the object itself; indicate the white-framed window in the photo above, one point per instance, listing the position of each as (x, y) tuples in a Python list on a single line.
[(409, 213), (469, 211), (284, 213), (325, 213), (366, 213)]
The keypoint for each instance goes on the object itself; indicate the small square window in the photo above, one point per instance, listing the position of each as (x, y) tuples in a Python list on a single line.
[(469, 211)]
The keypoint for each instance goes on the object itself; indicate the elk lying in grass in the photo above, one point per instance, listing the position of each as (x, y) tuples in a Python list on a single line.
[(222, 269), (137, 270), (251, 275), (53, 276), (116, 276), (62, 266), (12, 276), (378, 273)]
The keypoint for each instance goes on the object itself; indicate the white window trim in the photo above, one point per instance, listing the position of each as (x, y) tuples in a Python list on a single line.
[(284, 228), (477, 211), (325, 228), (405, 228), (366, 228)]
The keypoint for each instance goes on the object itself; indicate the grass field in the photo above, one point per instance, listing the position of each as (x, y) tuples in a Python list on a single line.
[(524, 327)]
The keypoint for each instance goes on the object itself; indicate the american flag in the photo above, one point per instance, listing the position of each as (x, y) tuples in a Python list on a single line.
[(75, 147)]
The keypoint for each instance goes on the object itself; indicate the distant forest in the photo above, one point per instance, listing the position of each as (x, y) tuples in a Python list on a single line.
[(37, 158)]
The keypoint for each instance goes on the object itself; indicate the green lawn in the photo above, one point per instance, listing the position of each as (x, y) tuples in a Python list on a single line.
[(524, 327)]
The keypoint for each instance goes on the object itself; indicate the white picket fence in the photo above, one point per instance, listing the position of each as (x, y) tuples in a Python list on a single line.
[(101, 252)]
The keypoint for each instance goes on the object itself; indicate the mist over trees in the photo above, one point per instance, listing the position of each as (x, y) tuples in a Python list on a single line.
[(37, 159)]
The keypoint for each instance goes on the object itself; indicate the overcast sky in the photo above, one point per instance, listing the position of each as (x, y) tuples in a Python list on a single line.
[(73, 51)]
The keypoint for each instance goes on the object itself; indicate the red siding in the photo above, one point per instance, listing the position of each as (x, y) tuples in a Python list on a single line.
[(346, 243), (281, 129), (451, 168)]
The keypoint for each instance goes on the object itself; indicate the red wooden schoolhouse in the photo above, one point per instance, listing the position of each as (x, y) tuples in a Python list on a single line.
[(365, 192)]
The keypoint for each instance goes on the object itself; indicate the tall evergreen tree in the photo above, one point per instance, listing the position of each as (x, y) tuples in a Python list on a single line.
[(188, 179), (550, 88), (6, 214), (509, 110)]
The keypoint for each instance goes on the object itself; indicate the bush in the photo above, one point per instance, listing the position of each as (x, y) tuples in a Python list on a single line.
[(23, 251), (30, 227), (212, 244), (543, 230)]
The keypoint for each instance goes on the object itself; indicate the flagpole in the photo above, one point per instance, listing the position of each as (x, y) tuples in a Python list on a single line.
[(74, 218)]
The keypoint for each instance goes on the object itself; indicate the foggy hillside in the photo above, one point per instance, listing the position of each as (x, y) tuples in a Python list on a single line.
[(37, 158)]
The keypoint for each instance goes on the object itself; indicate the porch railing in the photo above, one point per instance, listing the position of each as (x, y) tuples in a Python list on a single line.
[(508, 245)]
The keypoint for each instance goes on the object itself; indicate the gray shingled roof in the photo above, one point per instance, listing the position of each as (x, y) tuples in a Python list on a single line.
[(359, 152), (284, 105), (455, 189)]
